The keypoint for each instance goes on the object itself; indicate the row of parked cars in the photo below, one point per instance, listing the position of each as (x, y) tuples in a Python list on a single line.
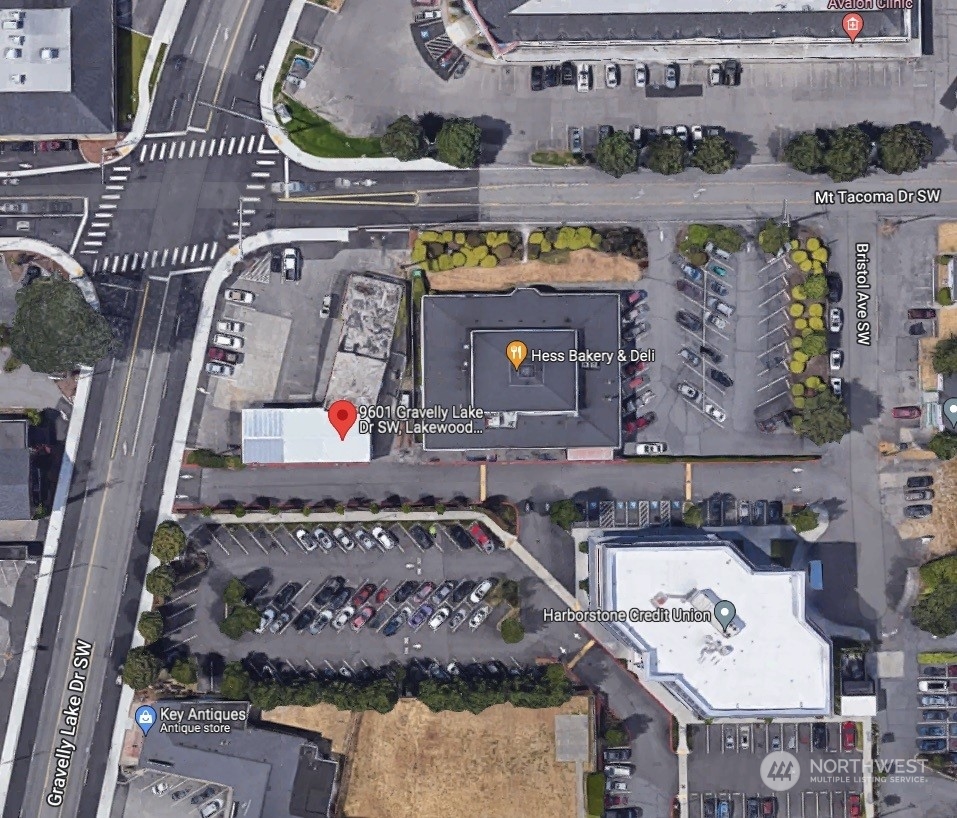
[(413, 603), (635, 392), (937, 729), (582, 75), (346, 538), (918, 492)]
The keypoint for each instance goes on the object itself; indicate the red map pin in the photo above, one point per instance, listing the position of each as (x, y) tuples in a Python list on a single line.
[(342, 416), (853, 24)]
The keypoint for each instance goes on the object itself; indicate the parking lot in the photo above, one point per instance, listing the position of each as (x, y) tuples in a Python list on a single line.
[(375, 604), (288, 345), (725, 768), (172, 796)]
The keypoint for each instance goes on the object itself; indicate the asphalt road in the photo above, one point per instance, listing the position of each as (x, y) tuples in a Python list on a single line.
[(184, 201)]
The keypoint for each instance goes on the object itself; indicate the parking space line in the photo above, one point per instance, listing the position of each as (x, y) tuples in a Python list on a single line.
[(229, 531)]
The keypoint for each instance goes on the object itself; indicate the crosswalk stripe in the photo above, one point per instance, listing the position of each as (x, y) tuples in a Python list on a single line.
[(133, 264), (143, 151), (116, 263), (153, 148), (232, 144), (202, 149), (96, 262), (192, 256), (92, 243), (89, 252), (163, 148), (96, 234), (126, 259), (101, 215), (255, 187), (165, 254), (175, 255), (192, 148), (248, 212), (233, 236), (108, 205), (153, 258), (266, 162), (222, 146), (100, 224), (262, 142), (260, 174), (121, 168), (251, 198), (110, 196), (182, 150), (242, 142), (212, 254), (114, 187)]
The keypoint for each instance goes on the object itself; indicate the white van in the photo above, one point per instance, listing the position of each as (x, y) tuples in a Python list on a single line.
[(717, 252), (283, 113)]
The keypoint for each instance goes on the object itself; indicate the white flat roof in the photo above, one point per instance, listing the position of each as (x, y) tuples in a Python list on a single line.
[(300, 434), (594, 7), (776, 662)]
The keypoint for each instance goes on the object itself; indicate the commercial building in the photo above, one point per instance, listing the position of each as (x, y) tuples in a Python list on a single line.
[(299, 434), (57, 69), (15, 470), (769, 660), (555, 397), (270, 771), (690, 30)]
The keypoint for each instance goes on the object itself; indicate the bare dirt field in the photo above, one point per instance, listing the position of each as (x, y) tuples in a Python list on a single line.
[(582, 267), (413, 762), (947, 238), (942, 524)]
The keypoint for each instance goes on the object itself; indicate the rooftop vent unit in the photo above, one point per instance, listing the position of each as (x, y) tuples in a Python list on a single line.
[(16, 39), (13, 53), (18, 79), (49, 53)]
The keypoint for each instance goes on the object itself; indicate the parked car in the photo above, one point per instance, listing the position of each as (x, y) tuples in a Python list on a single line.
[(615, 785), (420, 616), (933, 701), (396, 622), (616, 754), (604, 131), (836, 359), (906, 412), (479, 616), (921, 313), (537, 77), (366, 612), (712, 410), (688, 321), (689, 356), (819, 736), (918, 512), (306, 542), (837, 386), (584, 78), (612, 75), (439, 617), (931, 730), (714, 74), (918, 495), (460, 537), (478, 533), (568, 73), (220, 369), (711, 353), (835, 288), (304, 620), (715, 320), (386, 538), (641, 75), (321, 622), (482, 590), (575, 137), (752, 807), (929, 745), (331, 587), (240, 296), (326, 307), (731, 73), (444, 591), (933, 686), (292, 264), (343, 538), (367, 542), (223, 339), (933, 715), (423, 593), (644, 449), (343, 617), (201, 796), (720, 378), (422, 537), (769, 806), (321, 538), (688, 392), (230, 326), (362, 595), (922, 481), (281, 621), (720, 306), (619, 770), (835, 319), (552, 76), (717, 287), (671, 76), (848, 735)]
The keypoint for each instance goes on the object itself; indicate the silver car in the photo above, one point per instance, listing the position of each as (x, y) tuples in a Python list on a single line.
[(671, 76)]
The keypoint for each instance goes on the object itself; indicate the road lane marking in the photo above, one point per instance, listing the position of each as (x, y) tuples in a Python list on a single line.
[(688, 482), (483, 482), (578, 656), (199, 82), (229, 54), (126, 386)]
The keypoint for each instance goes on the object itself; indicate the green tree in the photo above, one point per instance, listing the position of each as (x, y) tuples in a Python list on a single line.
[(236, 682), (814, 344), (234, 592), (803, 519), (564, 514), (151, 626), (936, 611), (55, 330), (617, 154), (159, 581), (805, 153), (185, 671), (241, 619), (945, 356), (458, 143), (848, 154), (512, 631), (404, 139), (169, 541), (714, 154), (141, 668), (667, 155), (773, 236), (944, 445), (815, 288), (903, 149), (693, 517), (824, 419)]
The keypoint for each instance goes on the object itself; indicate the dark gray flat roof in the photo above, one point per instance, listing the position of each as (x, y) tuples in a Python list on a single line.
[(535, 386), (653, 25), (89, 107), (273, 772), (14, 471), (447, 326)]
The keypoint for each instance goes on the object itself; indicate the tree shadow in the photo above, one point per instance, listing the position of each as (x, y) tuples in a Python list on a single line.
[(495, 133), (745, 146), (777, 141), (864, 406)]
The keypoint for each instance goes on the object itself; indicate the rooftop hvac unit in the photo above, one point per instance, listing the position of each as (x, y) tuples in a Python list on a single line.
[(18, 79), (49, 53), (13, 53)]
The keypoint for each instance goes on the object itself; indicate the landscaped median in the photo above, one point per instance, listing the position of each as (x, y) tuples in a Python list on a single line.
[(131, 48)]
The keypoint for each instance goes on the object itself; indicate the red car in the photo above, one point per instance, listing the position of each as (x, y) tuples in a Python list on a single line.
[(632, 369), (634, 383), (646, 420), (906, 412), (49, 146), (636, 297), (382, 595), (854, 805), (849, 735), (362, 594), (360, 619), (218, 354), (921, 313), (483, 539), (615, 800)]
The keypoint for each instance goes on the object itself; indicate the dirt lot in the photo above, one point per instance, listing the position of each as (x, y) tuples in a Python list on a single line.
[(947, 238), (583, 267), (942, 524), (413, 762)]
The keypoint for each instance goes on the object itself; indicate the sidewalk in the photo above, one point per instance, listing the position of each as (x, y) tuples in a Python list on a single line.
[(278, 134), (77, 274)]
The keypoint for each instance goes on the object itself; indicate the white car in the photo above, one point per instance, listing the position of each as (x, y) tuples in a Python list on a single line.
[(837, 386), (697, 133), (835, 319), (439, 617), (720, 306), (650, 448), (584, 78), (713, 411), (681, 131), (933, 686), (321, 538), (283, 113), (242, 296), (266, 620), (688, 392), (230, 326), (715, 320), (619, 770), (221, 369), (343, 538), (714, 74), (326, 307), (344, 616), (641, 75), (745, 738), (836, 359), (260, 73), (384, 537), (612, 75), (479, 617), (159, 787), (221, 339), (305, 540), (479, 593)]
